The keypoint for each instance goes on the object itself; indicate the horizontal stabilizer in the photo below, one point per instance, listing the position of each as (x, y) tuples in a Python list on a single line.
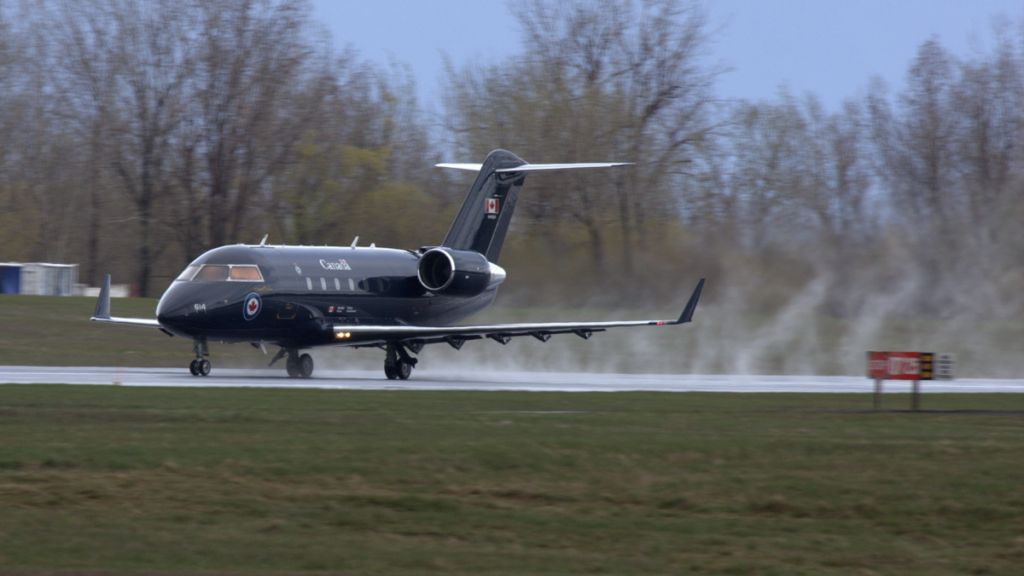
[(570, 166), (536, 167), (470, 167)]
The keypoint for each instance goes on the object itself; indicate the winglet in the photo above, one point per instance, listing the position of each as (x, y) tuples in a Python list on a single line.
[(691, 306), (103, 303)]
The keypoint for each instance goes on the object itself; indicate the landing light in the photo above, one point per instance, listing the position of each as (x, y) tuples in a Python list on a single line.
[(343, 335)]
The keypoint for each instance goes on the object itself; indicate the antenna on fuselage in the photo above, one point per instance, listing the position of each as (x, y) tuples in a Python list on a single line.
[(263, 242), (355, 242)]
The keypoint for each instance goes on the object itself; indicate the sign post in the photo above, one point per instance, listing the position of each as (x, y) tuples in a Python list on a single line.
[(913, 366)]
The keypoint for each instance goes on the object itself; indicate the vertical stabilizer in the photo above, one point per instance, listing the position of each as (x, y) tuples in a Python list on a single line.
[(483, 220)]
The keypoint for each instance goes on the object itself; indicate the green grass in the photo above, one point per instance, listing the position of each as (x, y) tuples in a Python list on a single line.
[(43, 330), (130, 480), (54, 331)]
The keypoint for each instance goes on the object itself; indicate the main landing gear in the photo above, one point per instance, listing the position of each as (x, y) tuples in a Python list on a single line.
[(297, 365), (398, 363), (200, 366)]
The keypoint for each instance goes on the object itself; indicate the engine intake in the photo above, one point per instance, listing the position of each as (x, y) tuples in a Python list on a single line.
[(457, 272)]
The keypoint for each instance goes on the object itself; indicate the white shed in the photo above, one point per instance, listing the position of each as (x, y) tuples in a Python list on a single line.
[(48, 279)]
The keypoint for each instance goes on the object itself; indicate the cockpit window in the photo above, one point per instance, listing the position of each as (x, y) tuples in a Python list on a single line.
[(221, 272), (188, 273), (212, 273), (245, 273)]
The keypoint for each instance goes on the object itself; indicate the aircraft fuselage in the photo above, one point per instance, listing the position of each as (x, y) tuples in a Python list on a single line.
[(303, 293)]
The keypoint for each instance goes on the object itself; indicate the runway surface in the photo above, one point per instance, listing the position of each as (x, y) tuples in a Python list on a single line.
[(477, 380)]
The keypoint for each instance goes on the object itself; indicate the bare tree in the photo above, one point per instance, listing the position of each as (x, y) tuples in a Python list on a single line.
[(361, 170), (609, 79), (916, 145), (257, 89), (123, 66)]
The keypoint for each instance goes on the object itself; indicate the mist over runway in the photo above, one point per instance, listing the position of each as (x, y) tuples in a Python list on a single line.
[(487, 381)]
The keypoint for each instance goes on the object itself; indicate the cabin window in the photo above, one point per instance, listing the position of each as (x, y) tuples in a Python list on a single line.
[(309, 283), (337, 285), (351, 285), (323, 284)]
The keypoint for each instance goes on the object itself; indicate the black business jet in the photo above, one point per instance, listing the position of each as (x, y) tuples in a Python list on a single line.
[(298, 297)]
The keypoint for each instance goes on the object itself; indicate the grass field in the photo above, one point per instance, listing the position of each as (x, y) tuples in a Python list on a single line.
[(52, 331), (55, 331), (109, 480), (41, 330)]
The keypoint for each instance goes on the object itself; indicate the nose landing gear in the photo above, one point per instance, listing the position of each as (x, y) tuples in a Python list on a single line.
[(200, 366)]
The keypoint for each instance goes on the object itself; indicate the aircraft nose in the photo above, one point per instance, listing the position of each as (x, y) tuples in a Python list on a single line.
[(174, 308)]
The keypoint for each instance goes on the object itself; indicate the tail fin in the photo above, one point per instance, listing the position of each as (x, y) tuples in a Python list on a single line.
[(485, 214), (483, 220)]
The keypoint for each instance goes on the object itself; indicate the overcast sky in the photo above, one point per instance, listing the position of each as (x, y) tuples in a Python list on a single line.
[(827, 47)]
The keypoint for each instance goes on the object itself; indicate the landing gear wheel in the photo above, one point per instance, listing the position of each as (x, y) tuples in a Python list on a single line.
[(200, 366), (397, 370), (398, 363), (404, 370), (305, 366), (292, 366)]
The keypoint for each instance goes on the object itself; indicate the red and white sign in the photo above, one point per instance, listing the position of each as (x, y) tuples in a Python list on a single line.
[(491, 206), (896, 366)]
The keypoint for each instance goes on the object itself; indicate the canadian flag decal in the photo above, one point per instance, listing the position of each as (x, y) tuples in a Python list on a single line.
[(491, 206)]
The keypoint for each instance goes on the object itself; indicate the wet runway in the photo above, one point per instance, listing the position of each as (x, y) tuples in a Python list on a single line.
[(478, 380)]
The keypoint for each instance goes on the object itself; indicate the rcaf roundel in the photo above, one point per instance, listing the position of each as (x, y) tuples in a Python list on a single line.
[(251, 305), (491, 206)]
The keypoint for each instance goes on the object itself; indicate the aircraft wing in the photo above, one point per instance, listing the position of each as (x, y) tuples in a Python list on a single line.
[(102, 313), (367, 335)]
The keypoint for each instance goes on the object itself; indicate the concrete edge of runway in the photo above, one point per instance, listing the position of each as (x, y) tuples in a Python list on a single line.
[(497, 380)]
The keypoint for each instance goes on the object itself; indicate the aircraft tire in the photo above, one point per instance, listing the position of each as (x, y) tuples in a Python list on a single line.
[(404, 370), (305, 367), (292, 366), (390, 370), (193, 367), (203, 367)]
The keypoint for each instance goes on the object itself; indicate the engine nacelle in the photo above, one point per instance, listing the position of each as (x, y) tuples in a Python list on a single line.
[(457, 272)]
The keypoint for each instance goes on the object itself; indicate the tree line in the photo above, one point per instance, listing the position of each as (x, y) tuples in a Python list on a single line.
[(136, 134)]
